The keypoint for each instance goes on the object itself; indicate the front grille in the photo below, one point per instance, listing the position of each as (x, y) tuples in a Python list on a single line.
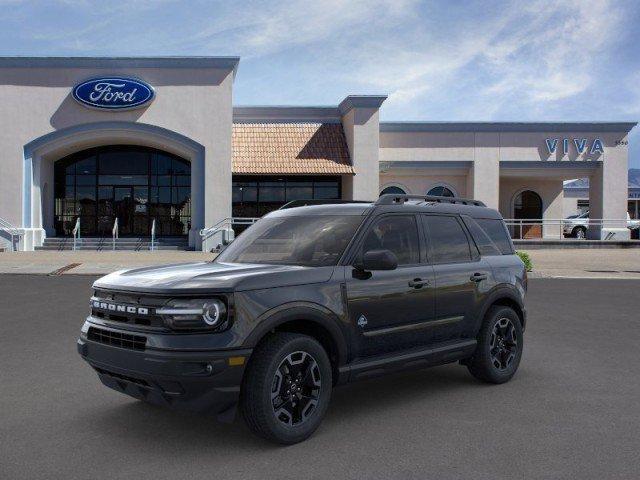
[(135, 310), (119, 376), (117, 339)]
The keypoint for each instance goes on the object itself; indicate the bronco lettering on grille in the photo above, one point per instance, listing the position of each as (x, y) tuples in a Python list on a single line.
[(113, 307)]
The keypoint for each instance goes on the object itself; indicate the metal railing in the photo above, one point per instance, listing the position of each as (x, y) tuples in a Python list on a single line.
[(12, 231), (223, 226), (76, 234), (114, 234), (152, 247), (561, 228), (206, 233)]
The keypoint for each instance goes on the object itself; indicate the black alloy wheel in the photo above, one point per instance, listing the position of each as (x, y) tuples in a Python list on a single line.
[(504, 344), (295, 389), (286, 388), (499, 347)]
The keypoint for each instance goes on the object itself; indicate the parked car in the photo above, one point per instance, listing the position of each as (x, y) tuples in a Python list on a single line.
[(576, 225), (309, 298)]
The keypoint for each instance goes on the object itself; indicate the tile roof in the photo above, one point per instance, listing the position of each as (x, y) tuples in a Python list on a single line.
[(290, 148)]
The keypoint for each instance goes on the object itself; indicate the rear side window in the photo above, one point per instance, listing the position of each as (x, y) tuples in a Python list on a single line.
[(497, 232), (447, 240), (484, 243)]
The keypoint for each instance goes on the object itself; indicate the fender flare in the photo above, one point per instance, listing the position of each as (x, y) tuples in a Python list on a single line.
[(307, 311), (498, 294)]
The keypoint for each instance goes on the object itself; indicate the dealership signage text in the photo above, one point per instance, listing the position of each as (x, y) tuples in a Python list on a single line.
[(581, 145), (113, 93)]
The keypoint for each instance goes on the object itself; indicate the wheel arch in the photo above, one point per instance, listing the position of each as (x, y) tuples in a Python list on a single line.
[(505, 297), (308, 319)]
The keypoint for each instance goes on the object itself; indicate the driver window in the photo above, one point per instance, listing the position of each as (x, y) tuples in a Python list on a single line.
[(396, 233)]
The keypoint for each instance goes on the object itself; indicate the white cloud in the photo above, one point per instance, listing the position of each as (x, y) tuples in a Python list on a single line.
[(536, 53)]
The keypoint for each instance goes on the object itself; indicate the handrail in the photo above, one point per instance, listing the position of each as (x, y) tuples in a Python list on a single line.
[(76, 234), (114, 234), (12, 230), (548, 225), (153, 235), (206, 233)]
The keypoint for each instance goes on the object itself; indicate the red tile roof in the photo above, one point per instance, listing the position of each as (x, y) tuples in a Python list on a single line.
[(290, 148)]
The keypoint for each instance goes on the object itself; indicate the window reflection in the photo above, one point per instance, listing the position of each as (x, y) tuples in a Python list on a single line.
[(134, 184)]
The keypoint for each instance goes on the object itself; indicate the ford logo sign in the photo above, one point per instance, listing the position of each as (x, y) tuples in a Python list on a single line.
[(113, 93)]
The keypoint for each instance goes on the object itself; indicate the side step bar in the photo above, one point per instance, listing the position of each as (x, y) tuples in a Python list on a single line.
[(406, 360)]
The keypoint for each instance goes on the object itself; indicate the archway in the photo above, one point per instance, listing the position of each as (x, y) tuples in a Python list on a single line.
[(527, 207), (41, 154), (135, 185)]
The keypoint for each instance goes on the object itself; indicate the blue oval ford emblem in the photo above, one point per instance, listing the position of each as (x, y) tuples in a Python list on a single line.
[(113, 93)]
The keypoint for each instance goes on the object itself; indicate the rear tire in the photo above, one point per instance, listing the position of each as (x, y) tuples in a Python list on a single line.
[(499, 349), (580, 233), (287, 388)]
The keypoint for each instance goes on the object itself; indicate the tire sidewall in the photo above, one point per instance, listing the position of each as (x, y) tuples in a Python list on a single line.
[(494, 374), (298, 432)]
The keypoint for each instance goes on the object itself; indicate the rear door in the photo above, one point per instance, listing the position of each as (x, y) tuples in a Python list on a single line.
[(389, 309), (460, 276)]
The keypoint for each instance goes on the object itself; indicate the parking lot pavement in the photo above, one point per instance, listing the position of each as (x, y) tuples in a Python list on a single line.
[(572, 411)]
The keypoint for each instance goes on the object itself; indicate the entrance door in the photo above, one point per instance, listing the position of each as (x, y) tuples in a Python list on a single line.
[(130, 205), (528, 208)]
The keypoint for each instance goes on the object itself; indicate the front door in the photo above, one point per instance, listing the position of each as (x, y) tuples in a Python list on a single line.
[(390, 309), (129, 206)]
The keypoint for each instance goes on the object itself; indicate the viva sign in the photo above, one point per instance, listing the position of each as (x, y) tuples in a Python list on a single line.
[(581, 145), (113, 93)]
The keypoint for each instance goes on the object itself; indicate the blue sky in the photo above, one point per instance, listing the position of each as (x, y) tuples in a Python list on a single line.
[(437, 60)]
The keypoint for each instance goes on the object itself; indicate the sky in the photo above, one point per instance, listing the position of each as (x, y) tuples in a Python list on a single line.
[(574, 60)]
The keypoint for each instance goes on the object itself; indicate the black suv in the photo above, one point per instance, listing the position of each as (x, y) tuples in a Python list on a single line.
[(309, 298)]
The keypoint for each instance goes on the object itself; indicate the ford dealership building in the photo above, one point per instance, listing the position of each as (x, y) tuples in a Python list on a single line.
[(158, 141)]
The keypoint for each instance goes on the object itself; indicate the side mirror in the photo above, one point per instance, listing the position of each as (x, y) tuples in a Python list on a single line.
[(379, 260)]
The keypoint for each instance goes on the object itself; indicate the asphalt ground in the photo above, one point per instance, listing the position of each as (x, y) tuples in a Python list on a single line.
[(572, 411)]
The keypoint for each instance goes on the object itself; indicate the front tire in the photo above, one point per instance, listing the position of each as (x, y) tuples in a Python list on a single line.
[(499, 349), (580, 233), (287, 388)]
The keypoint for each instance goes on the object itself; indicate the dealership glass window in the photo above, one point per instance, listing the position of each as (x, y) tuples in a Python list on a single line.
[(256, 196), (583, 206), (441, 191), (133, 184), (392, 190)]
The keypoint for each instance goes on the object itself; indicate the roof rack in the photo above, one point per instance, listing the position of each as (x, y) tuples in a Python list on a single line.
[(391, 198), (304, 203)]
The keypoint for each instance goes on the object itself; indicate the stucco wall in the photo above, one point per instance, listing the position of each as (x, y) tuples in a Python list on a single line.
[(421, 184), (193, 102)]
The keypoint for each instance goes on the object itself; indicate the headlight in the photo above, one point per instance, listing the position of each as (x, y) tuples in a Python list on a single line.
[(206, 313)]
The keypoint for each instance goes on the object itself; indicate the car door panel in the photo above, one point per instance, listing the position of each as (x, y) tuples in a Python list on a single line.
[(460, 275), (388, 308)]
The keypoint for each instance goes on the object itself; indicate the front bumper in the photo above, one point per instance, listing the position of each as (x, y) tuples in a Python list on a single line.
[(198, 381)]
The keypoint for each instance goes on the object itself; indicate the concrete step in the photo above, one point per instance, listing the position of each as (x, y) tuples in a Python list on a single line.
[(104, 244), (107, 248)]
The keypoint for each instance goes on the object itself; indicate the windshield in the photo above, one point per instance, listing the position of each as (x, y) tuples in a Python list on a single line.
[(314, 241)]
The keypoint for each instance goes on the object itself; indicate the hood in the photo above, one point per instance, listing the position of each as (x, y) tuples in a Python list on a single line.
[(207, 277)]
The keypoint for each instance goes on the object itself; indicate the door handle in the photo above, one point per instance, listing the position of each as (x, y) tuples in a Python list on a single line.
[(478, 277), (418, 283)]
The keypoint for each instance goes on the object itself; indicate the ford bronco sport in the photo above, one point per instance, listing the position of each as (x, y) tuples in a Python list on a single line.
[(309, 298)]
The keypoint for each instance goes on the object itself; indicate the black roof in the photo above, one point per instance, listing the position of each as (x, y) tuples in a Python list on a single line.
[(411, 205)]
